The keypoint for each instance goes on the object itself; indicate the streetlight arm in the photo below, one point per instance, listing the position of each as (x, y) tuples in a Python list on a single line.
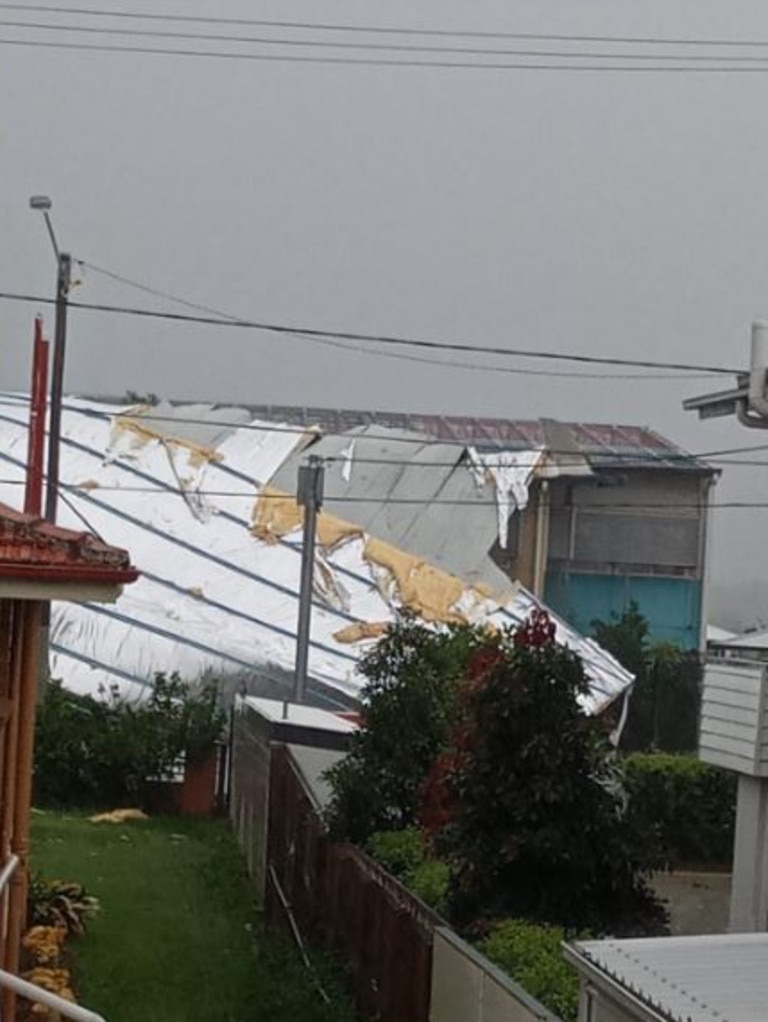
[(51, 233)]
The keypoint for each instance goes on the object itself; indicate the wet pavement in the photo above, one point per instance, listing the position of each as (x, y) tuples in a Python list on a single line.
[(696, 902)]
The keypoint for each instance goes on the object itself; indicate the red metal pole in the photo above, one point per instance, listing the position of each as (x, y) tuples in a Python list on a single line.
[(33, 497)]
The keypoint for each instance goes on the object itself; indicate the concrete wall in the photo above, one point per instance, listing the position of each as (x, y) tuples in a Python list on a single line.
[(466, 987)]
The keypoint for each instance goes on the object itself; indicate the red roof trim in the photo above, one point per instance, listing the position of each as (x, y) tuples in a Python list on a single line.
[(31, 548)]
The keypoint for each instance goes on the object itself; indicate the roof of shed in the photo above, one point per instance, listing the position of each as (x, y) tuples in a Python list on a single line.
[(677, 979)]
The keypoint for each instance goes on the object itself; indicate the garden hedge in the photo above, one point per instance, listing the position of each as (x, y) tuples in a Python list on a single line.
[(686, 809)]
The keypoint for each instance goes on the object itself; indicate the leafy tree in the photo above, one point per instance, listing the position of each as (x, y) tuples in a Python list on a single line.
[(664, 705), (626, 637), (539, 829), (409, 705)]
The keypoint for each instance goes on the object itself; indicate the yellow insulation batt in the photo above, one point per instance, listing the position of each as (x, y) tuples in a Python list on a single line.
[(429, 591), (277, 515), (361, 630), (198, 453)]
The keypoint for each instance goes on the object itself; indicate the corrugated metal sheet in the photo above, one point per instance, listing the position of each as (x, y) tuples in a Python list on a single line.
[(212, 597), (447, 518), (604, 445), (688, 979)]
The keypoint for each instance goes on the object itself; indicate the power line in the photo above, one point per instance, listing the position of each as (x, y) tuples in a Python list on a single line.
[(384, 339), (286, 58), (74, 490), (447, 363), (301, 43), (378, 29)]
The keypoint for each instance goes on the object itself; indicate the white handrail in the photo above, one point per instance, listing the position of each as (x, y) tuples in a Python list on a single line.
[(31, 991), (8, 870), (38, 995)]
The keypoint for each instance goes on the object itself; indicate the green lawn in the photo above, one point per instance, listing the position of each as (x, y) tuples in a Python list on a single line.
[(177, 939)]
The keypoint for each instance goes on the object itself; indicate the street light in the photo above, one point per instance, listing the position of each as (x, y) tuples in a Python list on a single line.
[(42, 204)]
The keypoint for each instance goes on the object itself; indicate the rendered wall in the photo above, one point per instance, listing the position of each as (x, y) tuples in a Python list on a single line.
[(672, 606)]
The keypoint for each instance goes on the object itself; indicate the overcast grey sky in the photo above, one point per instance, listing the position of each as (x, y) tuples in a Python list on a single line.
[(621, 214)]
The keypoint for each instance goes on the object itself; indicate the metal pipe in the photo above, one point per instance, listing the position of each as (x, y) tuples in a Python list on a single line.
[(27, 707), (36, 994), (310, 495), (294, 927), (541, 554), (33, 496), (10, 759), (758, 364)]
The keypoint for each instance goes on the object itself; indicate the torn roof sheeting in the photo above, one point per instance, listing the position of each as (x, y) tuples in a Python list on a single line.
[(422, 497), (217, 594)]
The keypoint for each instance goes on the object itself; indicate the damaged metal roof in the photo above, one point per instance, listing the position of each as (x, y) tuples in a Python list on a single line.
[(604, 445), (218, 546)]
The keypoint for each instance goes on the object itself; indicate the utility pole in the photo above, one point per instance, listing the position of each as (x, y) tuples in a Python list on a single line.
[(43, 204), (310, 497), (63, 282)]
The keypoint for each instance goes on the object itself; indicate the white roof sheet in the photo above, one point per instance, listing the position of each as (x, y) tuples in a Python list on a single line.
[(682, 979), (717, 634), (749, 640), (300, 715), (212, 598)]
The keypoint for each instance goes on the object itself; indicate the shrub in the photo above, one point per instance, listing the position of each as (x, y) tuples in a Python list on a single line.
[(404, 854), (103, 752), (59, 904), (532, 955), (685, 808), (409, 705), (401, 852), (664, 706), (431, 881)]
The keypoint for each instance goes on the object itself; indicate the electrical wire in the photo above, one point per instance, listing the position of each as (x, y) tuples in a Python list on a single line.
[(287, 58), (400, 356), (634, 457), (76, 489), (326, 44), (383, 339), (377, 29)]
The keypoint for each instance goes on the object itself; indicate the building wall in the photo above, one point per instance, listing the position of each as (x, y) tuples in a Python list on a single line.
[(672, 606), (641, 536)]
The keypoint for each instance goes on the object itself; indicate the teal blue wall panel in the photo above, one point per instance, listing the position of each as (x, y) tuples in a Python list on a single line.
[(672, 606)]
